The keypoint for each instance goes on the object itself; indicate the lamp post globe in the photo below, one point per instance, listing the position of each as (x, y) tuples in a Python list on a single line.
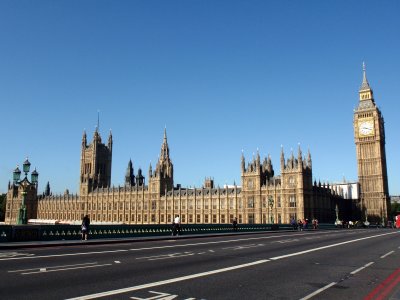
[(34, 176), (26, 166), (16, 175)]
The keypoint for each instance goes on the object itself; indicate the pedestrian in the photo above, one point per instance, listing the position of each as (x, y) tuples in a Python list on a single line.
[(85, 227), (293, 223), (314, 224), (235, 224), (299, 225), (176, 226)]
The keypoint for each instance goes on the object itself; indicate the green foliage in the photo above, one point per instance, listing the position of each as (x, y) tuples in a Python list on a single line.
[(2, 207), (395, 209)]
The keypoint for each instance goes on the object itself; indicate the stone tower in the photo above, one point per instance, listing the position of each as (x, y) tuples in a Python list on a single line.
[(369, 136), (254, 177), (162, 178), (95, 163), (296, 184)]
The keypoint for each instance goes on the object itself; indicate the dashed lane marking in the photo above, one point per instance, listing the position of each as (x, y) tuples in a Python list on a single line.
[(387, 254), (318, 291), (362, 268)]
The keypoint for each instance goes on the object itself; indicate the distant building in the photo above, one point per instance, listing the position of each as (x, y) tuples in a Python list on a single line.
[(350, 191), (395, 199), (261, 198)]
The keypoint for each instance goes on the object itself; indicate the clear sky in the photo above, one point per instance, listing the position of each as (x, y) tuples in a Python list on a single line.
[(221, 75)]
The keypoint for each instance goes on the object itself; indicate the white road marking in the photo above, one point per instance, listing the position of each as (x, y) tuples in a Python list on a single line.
[(244, 246), (286, 241), (117, 262), (167, 256), (66, 269), (66, 254), (54, 267), (328, 246), (14, 254), (168, 281), (319, 291), (362, 268), (387, 254)]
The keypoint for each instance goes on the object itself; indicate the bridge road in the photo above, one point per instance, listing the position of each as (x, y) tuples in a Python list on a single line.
[(343, 264)]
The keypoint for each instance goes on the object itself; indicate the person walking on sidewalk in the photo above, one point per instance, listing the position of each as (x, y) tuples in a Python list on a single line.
[(176, 230), (235, 224), (85, 227)]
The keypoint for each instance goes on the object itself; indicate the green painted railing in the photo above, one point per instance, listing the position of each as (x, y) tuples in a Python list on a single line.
[(15, 233)]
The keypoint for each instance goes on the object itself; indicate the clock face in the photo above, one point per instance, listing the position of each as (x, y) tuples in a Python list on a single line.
[(366, 128)]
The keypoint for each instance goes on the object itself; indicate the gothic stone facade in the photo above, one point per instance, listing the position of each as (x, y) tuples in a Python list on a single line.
[(262, 197)]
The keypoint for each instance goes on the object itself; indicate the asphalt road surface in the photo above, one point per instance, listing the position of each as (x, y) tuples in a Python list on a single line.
[(339, 264)]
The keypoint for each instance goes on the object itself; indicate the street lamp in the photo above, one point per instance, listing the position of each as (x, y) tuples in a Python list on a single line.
[(337, 214), (25, 184), (366, 223), (271, 205)]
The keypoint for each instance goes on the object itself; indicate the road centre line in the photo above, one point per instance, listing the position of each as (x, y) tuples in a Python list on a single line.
[(387, 254), (362, 268), (65, 254), (167, 281), (318, 291), (329, 246), (167, 256), (65, 269), (53, 267)]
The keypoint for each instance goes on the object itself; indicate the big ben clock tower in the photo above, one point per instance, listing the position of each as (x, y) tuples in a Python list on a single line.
[(369, 136)]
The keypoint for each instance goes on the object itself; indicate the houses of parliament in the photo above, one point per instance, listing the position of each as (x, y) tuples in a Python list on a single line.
[(262, 197)]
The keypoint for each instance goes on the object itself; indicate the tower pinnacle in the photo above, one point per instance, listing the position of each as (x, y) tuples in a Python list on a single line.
[(365, 84)]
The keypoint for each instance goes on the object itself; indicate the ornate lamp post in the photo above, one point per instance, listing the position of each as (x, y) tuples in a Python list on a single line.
[(271, 205), (25, 184)]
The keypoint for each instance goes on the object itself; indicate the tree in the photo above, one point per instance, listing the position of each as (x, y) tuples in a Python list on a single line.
[(2, 207), (395, 209)]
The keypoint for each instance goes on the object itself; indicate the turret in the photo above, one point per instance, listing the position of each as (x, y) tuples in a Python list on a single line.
[(140, 178), (270, 168), (129, 176), (164, 172), (243, 164), (47, 189), (309, 161), (110, 141), (257, 160), (84, 139), (150, 171), (300, 158)]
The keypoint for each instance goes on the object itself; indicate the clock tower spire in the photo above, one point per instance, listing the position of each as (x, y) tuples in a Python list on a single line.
[(369, 137)]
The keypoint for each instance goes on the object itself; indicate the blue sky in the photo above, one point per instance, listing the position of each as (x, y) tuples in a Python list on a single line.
[(221, 75)]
